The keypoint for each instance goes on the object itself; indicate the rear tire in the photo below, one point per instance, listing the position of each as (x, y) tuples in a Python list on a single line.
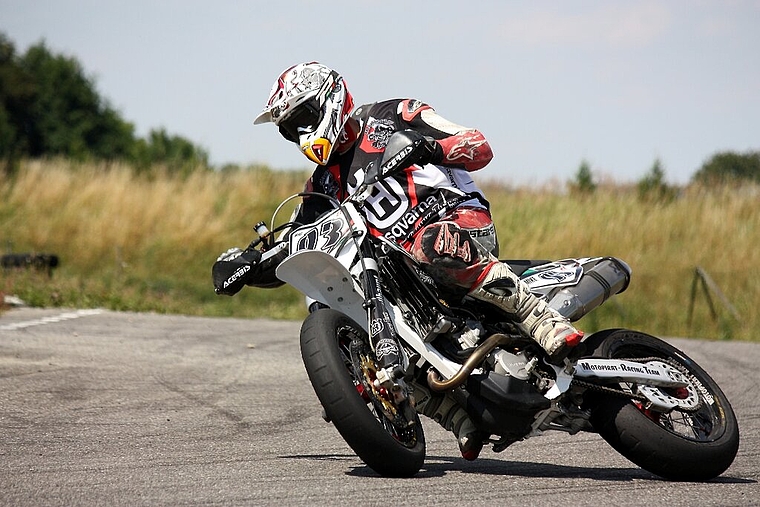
[(326, 337), (680, 445)]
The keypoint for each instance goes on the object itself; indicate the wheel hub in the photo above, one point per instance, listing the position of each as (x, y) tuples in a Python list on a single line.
[(666, 399), (379, 393)]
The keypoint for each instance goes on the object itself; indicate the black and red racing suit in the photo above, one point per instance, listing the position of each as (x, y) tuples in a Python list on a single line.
[(435, 211)]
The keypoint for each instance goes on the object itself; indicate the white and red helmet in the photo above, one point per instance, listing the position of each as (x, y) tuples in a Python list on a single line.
[(310, 103)]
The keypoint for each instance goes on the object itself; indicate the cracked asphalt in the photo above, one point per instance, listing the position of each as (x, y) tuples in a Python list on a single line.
[(110, 408)]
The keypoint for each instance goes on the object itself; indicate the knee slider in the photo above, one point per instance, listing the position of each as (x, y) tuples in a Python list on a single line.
[(447, 242)]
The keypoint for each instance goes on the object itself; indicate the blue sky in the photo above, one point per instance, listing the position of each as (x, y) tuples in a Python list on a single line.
[(618, 84)]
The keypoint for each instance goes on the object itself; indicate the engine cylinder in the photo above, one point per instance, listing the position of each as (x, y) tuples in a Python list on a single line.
[(606, 278)]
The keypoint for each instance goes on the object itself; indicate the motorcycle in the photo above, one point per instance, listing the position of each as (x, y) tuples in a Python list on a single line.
[(381, 335)]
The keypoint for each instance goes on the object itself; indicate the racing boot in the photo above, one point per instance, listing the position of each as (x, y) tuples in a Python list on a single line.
[(444, 410), (500, 286)]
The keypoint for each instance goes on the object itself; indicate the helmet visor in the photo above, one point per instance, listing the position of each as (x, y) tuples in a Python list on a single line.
[(304, 118)]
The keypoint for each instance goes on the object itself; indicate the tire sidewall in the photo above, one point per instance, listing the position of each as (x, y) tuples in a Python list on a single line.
[(643, 441), (344, 406)]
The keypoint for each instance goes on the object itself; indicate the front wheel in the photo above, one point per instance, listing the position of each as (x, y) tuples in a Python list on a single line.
[(696, 443), (340, 365)]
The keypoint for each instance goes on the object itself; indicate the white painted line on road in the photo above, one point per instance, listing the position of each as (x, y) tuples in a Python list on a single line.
[(50, 320)]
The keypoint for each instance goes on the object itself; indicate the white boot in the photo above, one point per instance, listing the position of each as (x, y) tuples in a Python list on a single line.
[(444, 410), (504, 289)]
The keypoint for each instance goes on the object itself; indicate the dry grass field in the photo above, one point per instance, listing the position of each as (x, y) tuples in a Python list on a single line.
[(141, 243)]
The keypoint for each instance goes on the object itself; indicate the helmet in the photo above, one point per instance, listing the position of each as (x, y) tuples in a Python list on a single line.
[(310, 103)]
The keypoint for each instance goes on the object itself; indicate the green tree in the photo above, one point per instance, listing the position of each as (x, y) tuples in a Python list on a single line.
[(652, 187), (178, 154), (16, 97), (48, 106), (67, 116), (584, 180), (730, 166)]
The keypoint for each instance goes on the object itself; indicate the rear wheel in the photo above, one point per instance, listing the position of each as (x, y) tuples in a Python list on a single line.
[(341, 366), (695, 441)]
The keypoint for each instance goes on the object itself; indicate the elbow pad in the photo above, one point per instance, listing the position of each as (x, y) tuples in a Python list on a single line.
[(468, 149)]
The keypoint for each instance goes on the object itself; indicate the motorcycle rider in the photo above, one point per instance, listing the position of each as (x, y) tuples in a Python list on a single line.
[(434, 209)]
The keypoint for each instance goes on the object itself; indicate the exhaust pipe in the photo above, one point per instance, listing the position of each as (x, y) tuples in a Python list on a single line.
[(460, 377), (608, 277)]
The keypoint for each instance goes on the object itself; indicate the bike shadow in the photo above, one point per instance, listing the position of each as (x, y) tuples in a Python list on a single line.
[(439, 466)]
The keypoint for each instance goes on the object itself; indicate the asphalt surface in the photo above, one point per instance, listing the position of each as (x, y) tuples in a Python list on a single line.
[(107, 408)]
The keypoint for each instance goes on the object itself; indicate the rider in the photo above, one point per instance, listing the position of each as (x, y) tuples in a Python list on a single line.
[(434, 209)]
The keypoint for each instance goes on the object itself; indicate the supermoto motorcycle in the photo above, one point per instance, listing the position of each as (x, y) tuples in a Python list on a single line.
[(382, 326)]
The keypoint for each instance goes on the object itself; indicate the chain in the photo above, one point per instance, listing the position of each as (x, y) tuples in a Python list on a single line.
[(608, 390)]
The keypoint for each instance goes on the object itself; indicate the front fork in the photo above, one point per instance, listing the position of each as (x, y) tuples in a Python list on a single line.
[(382, 332)]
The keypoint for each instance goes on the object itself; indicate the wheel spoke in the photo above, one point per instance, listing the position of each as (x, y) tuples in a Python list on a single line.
[(686, 433), (688, 424), (361, 367)]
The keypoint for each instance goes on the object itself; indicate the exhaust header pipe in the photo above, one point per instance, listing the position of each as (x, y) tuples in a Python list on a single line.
[(460, 377)]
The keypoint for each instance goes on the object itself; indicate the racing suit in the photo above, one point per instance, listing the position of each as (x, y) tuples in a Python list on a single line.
[(425, 209)]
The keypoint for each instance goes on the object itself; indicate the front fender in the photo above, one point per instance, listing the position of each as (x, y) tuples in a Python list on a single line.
[(323, 278)]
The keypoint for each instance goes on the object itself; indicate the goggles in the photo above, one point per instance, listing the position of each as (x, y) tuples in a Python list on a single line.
[(304, 118)]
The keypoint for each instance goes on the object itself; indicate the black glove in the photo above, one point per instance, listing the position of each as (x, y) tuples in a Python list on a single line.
[(405, 148), (426, 149), (433, 154), (233, 269)]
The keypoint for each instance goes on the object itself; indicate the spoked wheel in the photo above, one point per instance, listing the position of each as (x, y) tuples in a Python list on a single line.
[(341, 368), (696, 440)]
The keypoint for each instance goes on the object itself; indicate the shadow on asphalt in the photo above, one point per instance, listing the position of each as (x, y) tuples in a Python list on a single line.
[(438, 466)]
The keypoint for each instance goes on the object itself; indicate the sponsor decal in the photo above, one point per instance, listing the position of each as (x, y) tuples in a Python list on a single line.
[(489, 230), (413, 105), (396, 160), (378, 132), (705, 393), (552, 274), (556, 276), (405, 225), (410, 108), (465, 148), (239, 272), (426, 279), (385, 347), (622, 367), (598, 367), (376, 327)]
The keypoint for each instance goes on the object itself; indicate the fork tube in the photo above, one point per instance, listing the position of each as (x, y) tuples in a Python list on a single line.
[(382, 331)]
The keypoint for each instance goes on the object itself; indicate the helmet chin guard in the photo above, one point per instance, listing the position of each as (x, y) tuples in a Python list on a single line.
[(317, 150), (310, 104)]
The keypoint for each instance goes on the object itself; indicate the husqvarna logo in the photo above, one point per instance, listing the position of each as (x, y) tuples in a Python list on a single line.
[(557, 276)]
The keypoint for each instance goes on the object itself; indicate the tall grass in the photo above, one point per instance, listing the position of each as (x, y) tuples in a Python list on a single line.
[(131, 242)]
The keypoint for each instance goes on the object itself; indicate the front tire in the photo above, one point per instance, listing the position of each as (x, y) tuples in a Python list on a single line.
[(326, 348), (681, 445)]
